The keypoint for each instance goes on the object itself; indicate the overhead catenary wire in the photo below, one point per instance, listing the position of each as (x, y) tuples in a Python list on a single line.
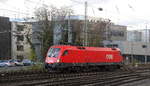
[(93, 11)]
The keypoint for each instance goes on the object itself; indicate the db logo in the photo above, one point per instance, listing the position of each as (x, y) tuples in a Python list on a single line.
[(109, 56)]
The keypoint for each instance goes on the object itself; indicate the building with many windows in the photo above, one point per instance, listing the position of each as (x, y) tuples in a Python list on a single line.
[(94, 33), (134, 44), (20, 45)]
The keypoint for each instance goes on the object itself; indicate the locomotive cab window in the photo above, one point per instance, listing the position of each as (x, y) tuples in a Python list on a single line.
[(65, 53), (53, 52)]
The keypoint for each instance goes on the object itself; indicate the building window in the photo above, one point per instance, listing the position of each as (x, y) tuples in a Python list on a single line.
[(112, 45), (20, 57), (20, 27), (117, 33), (20, 38), (144, 46), (20, 47)]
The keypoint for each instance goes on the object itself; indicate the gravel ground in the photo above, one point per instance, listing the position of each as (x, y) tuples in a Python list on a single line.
[(145, 82), (16, 68)]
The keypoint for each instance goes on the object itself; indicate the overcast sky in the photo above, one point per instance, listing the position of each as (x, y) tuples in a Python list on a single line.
[(133, 13)]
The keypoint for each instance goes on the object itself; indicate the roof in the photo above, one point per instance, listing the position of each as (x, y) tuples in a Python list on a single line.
[(85, 48)]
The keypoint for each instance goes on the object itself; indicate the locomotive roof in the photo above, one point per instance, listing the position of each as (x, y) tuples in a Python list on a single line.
[(85, 48)]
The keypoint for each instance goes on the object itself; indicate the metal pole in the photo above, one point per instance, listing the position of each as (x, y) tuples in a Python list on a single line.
[(85, 22), (12, 45), (108, 33), (132, 55), (69, 30), (146, 46)]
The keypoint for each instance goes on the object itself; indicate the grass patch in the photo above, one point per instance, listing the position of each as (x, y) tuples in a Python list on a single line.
[(37, 66)]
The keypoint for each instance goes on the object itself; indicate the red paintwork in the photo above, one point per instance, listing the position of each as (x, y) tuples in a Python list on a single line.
[(87, 55)]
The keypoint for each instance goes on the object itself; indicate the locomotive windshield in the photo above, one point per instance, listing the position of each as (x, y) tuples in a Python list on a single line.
[(53, 52)]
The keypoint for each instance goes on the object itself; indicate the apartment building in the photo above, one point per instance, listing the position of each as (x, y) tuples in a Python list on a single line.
[(20, 45)]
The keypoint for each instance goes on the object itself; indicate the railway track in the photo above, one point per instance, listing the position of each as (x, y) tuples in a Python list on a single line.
[(95, 79), (45, 78)]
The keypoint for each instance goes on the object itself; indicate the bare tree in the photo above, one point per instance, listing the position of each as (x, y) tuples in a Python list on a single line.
[(48, 19)]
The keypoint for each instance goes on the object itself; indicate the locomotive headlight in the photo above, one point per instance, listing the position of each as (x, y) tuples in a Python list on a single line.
[(58, 60)]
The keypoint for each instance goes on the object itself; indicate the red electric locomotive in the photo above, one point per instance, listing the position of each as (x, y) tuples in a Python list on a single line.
[(66, 56)]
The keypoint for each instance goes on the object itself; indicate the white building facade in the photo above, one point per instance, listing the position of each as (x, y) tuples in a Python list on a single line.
[(20, 46)]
